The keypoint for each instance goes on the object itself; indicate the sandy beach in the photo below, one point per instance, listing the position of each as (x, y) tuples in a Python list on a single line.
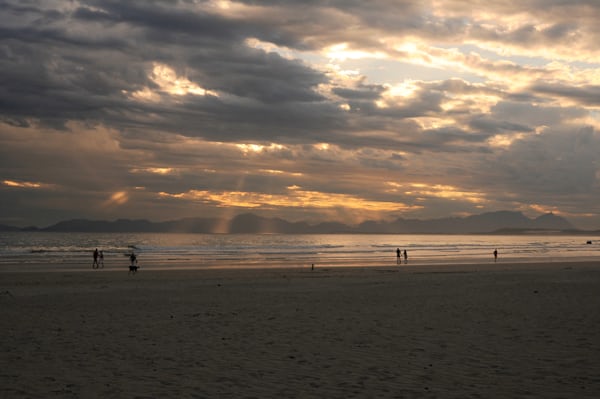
[(462, 331)]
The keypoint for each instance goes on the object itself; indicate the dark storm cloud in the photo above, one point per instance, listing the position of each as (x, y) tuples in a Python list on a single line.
[(55, 76), (60, 75), (253, 74)]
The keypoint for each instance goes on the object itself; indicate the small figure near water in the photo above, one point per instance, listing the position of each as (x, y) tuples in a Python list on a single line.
[(102, 259), (133, 267), (95, 264), (495, 255), (405, 256), (398, 256)]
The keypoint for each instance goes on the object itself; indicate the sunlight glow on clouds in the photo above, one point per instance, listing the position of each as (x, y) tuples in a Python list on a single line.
[(316, 110), (296, 197), (116, 199), (280, 172), (158, 171), (257, 148), (12, 183), (444, 191), (167, 80), (504, 140), (271, 48), (545, 209), (341, 52)]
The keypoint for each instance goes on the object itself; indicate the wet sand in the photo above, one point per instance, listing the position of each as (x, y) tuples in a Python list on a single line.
[(461, 331)]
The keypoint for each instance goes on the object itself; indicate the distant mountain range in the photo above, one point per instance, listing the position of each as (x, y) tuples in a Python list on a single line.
[(502, 222)]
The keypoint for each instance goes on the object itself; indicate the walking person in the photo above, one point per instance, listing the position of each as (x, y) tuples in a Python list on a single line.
[(398, 256), (405, 256), (102, 259), (95, 263), (495, 255)]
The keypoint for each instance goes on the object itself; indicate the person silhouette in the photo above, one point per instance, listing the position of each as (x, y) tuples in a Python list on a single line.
[(95, 264), (134, 263), (398, 258), (102, 259), (405, 256), (495, 255)]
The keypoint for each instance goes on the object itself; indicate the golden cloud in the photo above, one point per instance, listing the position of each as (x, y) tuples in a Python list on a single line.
[(157, 171), (12, 183), (296, 197), (170, 83), (421, 190), (117, 198)]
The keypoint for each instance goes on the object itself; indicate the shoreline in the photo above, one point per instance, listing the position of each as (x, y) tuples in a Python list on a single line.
[(475, 265)]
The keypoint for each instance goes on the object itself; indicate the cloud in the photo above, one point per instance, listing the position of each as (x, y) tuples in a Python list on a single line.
[(483, 100), (583, 95)]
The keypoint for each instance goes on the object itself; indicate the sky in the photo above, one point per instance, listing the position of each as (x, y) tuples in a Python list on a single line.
[(316, 110)]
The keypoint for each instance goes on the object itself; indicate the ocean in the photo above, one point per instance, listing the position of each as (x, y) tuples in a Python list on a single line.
[(53, 251)]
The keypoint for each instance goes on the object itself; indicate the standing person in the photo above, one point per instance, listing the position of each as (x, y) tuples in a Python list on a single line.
[(405, 256), (102, 259), (95, 263), (134, 263), (495, 255), (398, 258)]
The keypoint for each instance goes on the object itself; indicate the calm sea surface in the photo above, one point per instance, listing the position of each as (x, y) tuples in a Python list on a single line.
[(29, 251)]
